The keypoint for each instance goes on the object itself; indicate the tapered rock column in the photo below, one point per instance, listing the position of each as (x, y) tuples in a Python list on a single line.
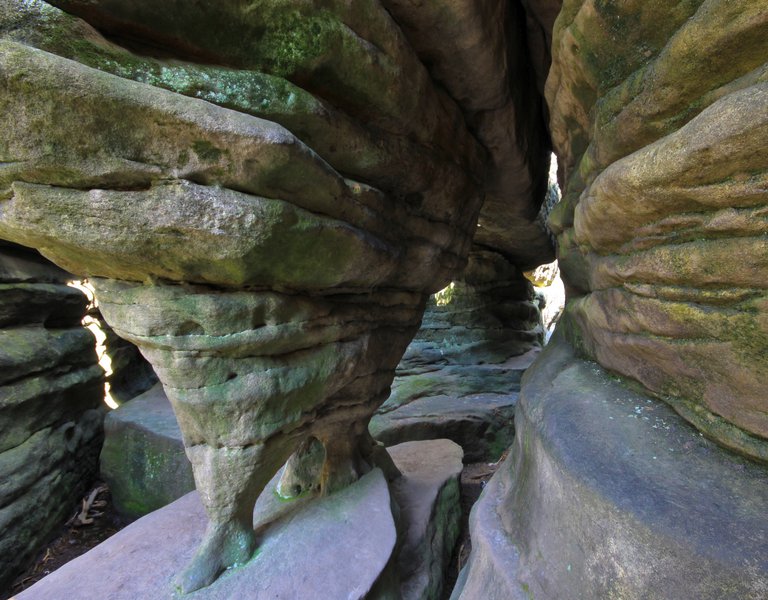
[(252, 376)]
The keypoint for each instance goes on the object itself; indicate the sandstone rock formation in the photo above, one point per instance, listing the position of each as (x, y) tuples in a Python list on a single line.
[(658, 117), (263, 197), (662, 225), (458, 379), (143, 460), (265, 194), (51, 389)]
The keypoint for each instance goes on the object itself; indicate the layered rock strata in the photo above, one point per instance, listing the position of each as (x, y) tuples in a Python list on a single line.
[(662, 226), (263, 198), (51, 388), (659, 139), (460, 377)]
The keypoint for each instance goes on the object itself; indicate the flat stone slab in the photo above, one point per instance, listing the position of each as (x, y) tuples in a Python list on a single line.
[(482, 424), (143, 458), (610, 494), (342, 546), (332, 547)]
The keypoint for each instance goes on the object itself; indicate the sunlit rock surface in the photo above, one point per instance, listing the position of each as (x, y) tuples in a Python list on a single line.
[(51, 388), (662, 227)]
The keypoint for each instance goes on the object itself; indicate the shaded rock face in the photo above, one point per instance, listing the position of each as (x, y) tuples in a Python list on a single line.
[(143, 459), (662, 226), (494, 67), (51, 388), (263, 197)]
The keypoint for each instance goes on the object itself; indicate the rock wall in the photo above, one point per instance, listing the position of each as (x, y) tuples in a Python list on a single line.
[(265, 195), (660, 120), (51, 390)]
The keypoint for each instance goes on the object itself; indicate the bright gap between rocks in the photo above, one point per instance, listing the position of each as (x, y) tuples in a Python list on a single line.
[(93, 324)]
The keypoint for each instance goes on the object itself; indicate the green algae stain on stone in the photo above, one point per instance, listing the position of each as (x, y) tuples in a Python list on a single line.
[(295, 40), (207, 151)]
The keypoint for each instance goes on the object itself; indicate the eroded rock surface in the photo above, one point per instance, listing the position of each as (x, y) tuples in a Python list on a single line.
[(50, 391), (479, 51), (662, 225)]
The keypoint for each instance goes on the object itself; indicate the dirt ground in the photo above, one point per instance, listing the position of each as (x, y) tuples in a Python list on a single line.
[(92, 522)]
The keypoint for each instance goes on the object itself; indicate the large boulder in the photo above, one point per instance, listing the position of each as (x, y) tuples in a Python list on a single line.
[(609, 493), (143, 459)]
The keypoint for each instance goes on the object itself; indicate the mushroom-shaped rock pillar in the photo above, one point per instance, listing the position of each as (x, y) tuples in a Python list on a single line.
[(270, 254)]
